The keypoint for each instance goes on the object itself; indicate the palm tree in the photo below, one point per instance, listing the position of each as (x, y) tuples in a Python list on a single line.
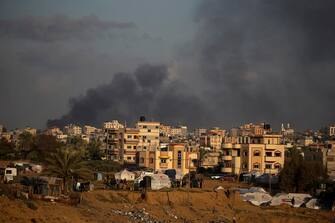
[(25, 144), (67, 164), (202, 155)]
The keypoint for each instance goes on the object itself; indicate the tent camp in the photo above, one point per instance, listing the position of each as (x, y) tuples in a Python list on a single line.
[(256, 198), (125, 175), (154, 181), (298, 200)]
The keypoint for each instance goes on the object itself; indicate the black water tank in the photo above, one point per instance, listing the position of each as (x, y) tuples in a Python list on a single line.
[(142, 118)]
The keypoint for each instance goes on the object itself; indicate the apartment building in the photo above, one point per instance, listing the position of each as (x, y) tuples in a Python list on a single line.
[(263, 154), (331, 130), (199, 132), (148, 135), (214, 141), (165, 130), (114, 124), (130, 143), (114, 144), (73, 130), (330, 159), (169, 156), (89, 130)]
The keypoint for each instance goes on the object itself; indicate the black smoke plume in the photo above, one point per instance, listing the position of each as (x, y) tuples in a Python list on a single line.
[(148, 91)]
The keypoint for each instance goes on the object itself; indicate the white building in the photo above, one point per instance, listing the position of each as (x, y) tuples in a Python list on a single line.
[(114, 124)]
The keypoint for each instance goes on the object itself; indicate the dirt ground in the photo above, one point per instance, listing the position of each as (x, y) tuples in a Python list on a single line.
[(178, 205)]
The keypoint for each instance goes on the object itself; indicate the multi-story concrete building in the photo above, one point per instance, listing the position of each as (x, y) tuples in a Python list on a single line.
[(113, 144), (331, 130), (73, 130), (89, 130), (32, 131), (53, 131), (2, 129), (169, 156), (263, 154), (130, 143), (199, 132), (330, 160), (148, 135), (114, 124), (165, 130)]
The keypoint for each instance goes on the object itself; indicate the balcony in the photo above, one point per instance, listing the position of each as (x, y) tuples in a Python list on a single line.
[(227, 158), (273, 159)]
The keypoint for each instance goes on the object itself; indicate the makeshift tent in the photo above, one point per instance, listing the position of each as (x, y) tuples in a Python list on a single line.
[(158, 181), (125, 175), (298, 200), (313, 204), (256, 198)]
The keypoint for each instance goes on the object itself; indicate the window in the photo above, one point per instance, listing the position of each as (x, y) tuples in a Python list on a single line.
[(151, 160), (277, 154), (179, 159), (157, 127), (245, 153), (269, 141), (144, 147), (244, 166), (128, 158), (257, 153), (128, 147), (128, 136), (268, 153), (163, 160), (149, 141), (144, 126), (142, 160), (256, 165), (149, 130), (277, 165), (268, 166), (134, 147)]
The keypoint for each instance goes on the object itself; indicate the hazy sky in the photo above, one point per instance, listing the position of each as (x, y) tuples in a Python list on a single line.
[(194, 62)]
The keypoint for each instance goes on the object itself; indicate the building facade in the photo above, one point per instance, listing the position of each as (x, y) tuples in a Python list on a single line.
[(262, 154)]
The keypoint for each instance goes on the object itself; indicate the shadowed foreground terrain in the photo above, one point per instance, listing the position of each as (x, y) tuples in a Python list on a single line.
[(172, 206)]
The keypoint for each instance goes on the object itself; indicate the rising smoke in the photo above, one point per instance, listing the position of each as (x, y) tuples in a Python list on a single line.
[(255, 61)]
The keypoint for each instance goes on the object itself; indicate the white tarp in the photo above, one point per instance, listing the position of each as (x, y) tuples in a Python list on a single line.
[(125, 175), (313, 204), (299, 199), (158, 180), (252, 190), (256, 198)]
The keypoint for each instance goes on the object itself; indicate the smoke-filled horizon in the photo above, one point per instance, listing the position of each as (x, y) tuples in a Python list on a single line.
[(233, 62)]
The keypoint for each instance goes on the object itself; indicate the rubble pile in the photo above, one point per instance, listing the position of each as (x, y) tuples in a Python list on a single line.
[(137, 216)]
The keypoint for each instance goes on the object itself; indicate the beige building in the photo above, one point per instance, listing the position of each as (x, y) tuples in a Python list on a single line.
[(148, 135), (164, 130), (114, 144), (130, 143), (89, 130), (73, 130), (330, 159), (199, 132), (263, 154), (331, 130), (213, 141), (32, 131), (169, 156), (114, 124)]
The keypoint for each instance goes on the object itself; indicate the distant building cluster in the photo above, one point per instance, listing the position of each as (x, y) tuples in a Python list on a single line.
[(249, 148)]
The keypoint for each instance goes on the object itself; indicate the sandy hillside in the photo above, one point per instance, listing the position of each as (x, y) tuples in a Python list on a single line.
[(173, 206)]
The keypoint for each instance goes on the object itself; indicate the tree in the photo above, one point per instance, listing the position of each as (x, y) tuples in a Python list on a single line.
[(7, 149), (94, 150), (43, 145), (202, 155), (25, 144), (299, 175), (66, 164)]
